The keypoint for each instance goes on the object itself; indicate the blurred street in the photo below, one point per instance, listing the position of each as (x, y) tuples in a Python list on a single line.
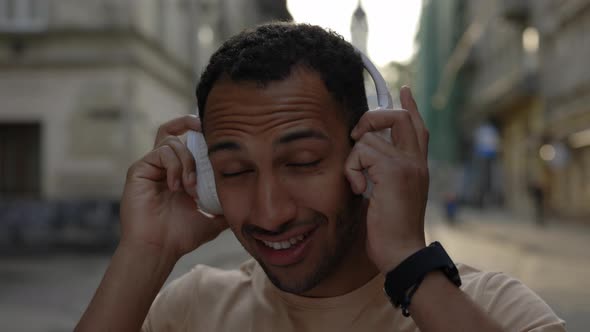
[(49, 292), (554, 260)]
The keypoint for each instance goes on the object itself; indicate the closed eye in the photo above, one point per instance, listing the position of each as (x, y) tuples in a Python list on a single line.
[(234, 174), (304, 165), (310, 164)]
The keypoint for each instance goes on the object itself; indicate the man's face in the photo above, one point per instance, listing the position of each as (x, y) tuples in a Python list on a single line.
[(278, 153)]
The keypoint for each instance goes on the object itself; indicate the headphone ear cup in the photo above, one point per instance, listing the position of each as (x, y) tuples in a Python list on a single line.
[(208, 200)]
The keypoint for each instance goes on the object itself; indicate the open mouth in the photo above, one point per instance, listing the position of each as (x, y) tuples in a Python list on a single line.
[(286, 251), (287, 243)]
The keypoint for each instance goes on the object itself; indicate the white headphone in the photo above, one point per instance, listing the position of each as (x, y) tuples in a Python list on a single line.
[(208, 200)]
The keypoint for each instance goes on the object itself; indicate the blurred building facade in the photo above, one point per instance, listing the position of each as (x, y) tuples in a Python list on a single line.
[(439, 30), (517, 67), (565, 87), (85, 84)]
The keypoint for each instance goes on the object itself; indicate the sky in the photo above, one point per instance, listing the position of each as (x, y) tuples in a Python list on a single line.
[(392, 23)]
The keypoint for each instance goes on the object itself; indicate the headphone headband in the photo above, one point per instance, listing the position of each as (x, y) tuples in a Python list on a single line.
[(384, 99)]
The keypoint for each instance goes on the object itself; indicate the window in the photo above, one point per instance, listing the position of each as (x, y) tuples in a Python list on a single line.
[(20, 160), (23, 15)]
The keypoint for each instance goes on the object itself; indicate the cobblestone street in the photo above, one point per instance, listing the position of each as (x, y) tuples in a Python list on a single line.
[(49, 293)]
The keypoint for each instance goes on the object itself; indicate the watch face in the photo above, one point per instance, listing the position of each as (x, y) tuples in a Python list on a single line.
[(453, 274), (450, 270), (390, 290), (391, 300)]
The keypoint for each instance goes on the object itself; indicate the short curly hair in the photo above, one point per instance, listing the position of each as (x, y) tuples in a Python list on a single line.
[(269, 52)]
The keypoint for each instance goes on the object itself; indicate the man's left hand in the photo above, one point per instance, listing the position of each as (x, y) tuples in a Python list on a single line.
[(399, 171)]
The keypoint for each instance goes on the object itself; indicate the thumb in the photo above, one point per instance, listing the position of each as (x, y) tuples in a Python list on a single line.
[(357, 166)]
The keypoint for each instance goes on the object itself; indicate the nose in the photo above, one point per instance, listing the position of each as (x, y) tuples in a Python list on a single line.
[(273, 204)]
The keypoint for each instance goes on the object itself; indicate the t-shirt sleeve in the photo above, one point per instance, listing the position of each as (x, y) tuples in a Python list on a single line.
[(516, 307), (172, 306)]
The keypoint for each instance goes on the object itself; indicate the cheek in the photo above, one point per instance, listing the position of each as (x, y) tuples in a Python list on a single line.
[(235, 207), (325, 192)]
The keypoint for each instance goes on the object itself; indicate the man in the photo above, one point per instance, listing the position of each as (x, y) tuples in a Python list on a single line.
[(283, 112)]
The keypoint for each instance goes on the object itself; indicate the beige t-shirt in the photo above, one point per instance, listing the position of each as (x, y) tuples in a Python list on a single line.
[(209, 299)]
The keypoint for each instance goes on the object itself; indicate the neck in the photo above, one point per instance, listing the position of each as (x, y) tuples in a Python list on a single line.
[(354, 270)]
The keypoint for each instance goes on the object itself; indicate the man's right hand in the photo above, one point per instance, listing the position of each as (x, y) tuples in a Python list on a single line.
[(160, 222), (158, 207)]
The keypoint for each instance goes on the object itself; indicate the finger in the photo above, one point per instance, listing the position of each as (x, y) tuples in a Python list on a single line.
[(359, 163), (188, 163), (177, 127), (378, 142), (144, 170), (408, 102), (402, 130), (165, 159)]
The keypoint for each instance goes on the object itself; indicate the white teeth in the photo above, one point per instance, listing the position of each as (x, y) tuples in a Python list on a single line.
[(285, 244)]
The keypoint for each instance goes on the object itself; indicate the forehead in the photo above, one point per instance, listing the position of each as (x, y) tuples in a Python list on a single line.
[(246, 108)]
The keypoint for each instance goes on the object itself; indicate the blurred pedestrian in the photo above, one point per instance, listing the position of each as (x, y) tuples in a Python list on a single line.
[(451, 205), (537, 193)]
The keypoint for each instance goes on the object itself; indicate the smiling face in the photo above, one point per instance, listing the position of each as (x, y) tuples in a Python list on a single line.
[(278, 153)]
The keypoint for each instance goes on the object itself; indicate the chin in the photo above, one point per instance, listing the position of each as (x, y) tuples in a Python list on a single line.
[(296, 279), (307, 274)]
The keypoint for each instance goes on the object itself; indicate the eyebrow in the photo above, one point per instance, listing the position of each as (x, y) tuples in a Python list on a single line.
[(300, 134), (287, 138), (224, 145)]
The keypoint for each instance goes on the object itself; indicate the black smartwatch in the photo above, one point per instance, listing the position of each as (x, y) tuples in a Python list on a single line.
[(402, 282)]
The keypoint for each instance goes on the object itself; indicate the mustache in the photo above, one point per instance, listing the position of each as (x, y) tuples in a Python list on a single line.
[(251, 229)]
